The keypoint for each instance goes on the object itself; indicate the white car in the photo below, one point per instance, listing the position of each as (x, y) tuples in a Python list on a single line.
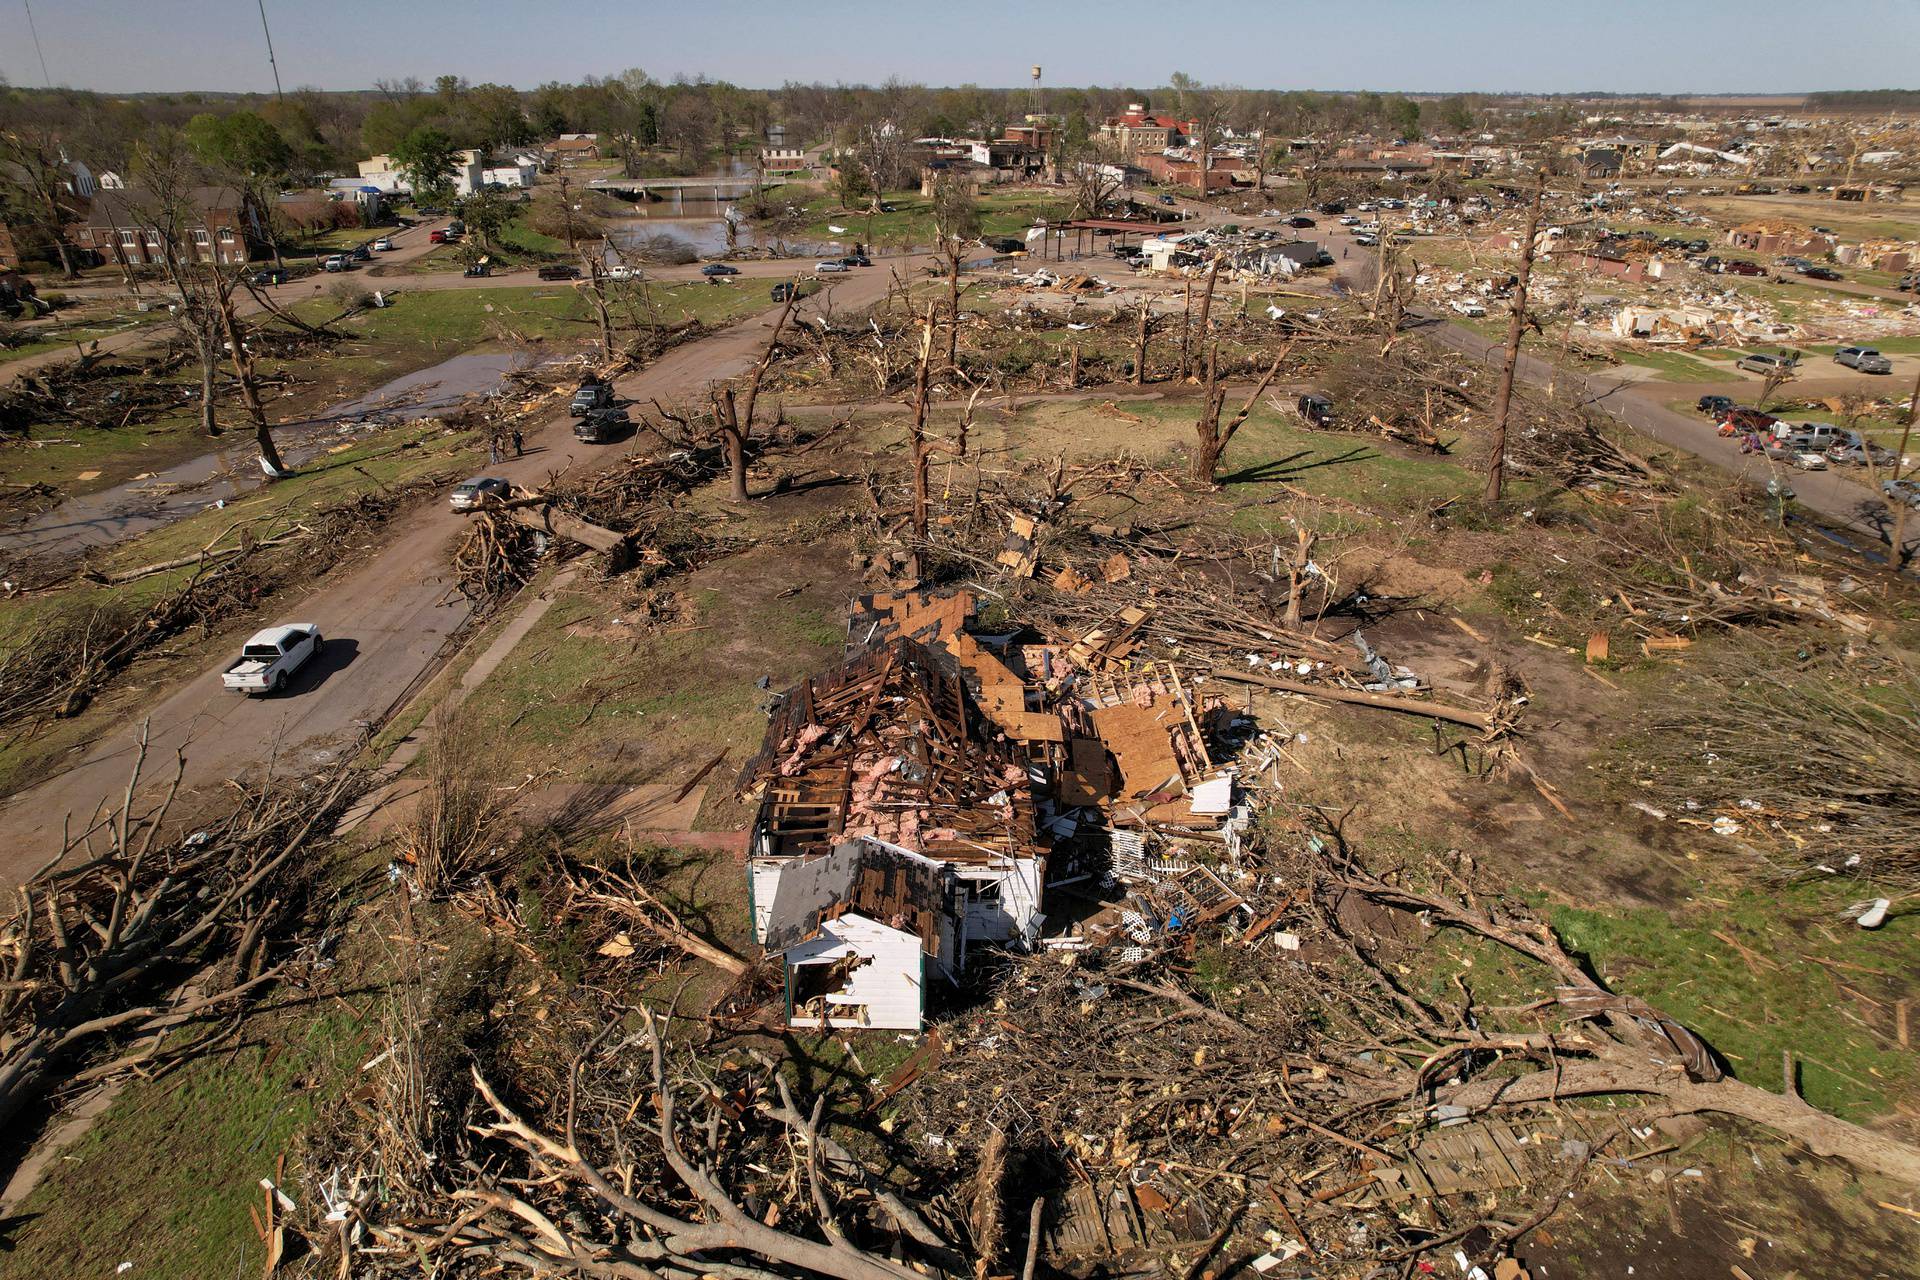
[(1348, 220), (829, 268), (621, 271), (383, 245), (1808, 461), (271, 657), (1469, 308)]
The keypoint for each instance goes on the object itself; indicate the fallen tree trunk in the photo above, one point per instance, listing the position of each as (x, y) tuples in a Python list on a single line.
[(183, 562), (1823, 1134), (1360, 697)]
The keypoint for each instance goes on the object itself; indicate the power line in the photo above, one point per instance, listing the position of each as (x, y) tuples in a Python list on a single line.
[(270, 61), (35, 33)]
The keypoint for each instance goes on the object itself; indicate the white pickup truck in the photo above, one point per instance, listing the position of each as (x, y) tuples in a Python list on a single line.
[(269, 658)]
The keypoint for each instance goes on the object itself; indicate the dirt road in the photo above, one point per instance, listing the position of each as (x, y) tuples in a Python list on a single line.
[(385, 622)]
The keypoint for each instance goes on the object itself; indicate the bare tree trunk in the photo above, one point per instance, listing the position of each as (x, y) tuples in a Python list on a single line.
[(209, 425), (953, 304), (596, 277), (243, 370), (733, 440), (921, 453), (1206, 298), (1503, 397), (1211, 439), (1073, 368), (1140, 348)]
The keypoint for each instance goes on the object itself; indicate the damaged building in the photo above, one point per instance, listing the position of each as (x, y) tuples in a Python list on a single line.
[(916, 802)]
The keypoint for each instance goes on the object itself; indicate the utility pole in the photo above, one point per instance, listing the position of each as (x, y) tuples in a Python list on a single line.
[(37, 51), (270, 62), (1503, 398)]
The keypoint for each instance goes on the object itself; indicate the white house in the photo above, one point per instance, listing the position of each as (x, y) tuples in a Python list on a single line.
[(380, 171), (521, 171)]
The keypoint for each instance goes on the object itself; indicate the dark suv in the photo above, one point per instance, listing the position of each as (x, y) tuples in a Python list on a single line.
[(592, 398)]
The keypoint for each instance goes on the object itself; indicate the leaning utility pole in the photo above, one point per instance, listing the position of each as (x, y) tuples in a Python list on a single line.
[(270, 61), (1503, 398)]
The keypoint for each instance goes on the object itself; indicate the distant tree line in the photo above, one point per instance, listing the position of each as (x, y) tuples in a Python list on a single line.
[(1865, 100)]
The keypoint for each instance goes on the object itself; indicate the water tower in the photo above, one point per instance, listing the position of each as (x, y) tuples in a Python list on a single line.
[(1033, 95)]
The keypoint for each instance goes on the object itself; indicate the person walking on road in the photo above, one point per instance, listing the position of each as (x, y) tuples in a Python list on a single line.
[(493, 448), (518, 449)]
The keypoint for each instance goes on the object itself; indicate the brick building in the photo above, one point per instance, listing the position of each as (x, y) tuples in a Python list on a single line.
[(223, 227)]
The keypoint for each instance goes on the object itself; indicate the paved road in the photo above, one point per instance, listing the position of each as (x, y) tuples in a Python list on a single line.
[(384, 621)]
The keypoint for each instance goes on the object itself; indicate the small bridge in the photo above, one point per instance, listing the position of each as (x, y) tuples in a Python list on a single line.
[(677, 188)]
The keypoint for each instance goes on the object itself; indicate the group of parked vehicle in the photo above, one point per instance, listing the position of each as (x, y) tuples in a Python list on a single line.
[(1807, 446)]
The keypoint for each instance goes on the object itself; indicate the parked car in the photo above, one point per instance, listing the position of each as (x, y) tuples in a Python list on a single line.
[(1863, 359), (1366, 238), (592, 397), (1735, 267), (559, 271), (719, 269), (1740, 421), (1300, 220), (856, 260), (1902, 490), (337, 262), (785, 289), (456, 228), (1765, 364), (1715, 406), (1332, 207), (272, 275), (621, 271), (1349, 220), (1859, 452), (601, 425), (1469, 308), (1809, 460), (360, 253), (477, 269), (1166, 199), (828, 268), (436, 237), (1315, 409), (1004, 244), (1821, 273), (270, 658), (1797, 264), (383, 245), (469, 494), (1909, 283)]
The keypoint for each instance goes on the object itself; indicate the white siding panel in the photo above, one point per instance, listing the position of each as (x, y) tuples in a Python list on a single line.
[(887, 987), (763, 880)]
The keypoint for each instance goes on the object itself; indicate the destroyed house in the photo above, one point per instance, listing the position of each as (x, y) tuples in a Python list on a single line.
[(855, 929), (891, 748)]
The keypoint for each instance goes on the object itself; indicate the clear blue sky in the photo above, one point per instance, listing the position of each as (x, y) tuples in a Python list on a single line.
[(1667, 46)]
